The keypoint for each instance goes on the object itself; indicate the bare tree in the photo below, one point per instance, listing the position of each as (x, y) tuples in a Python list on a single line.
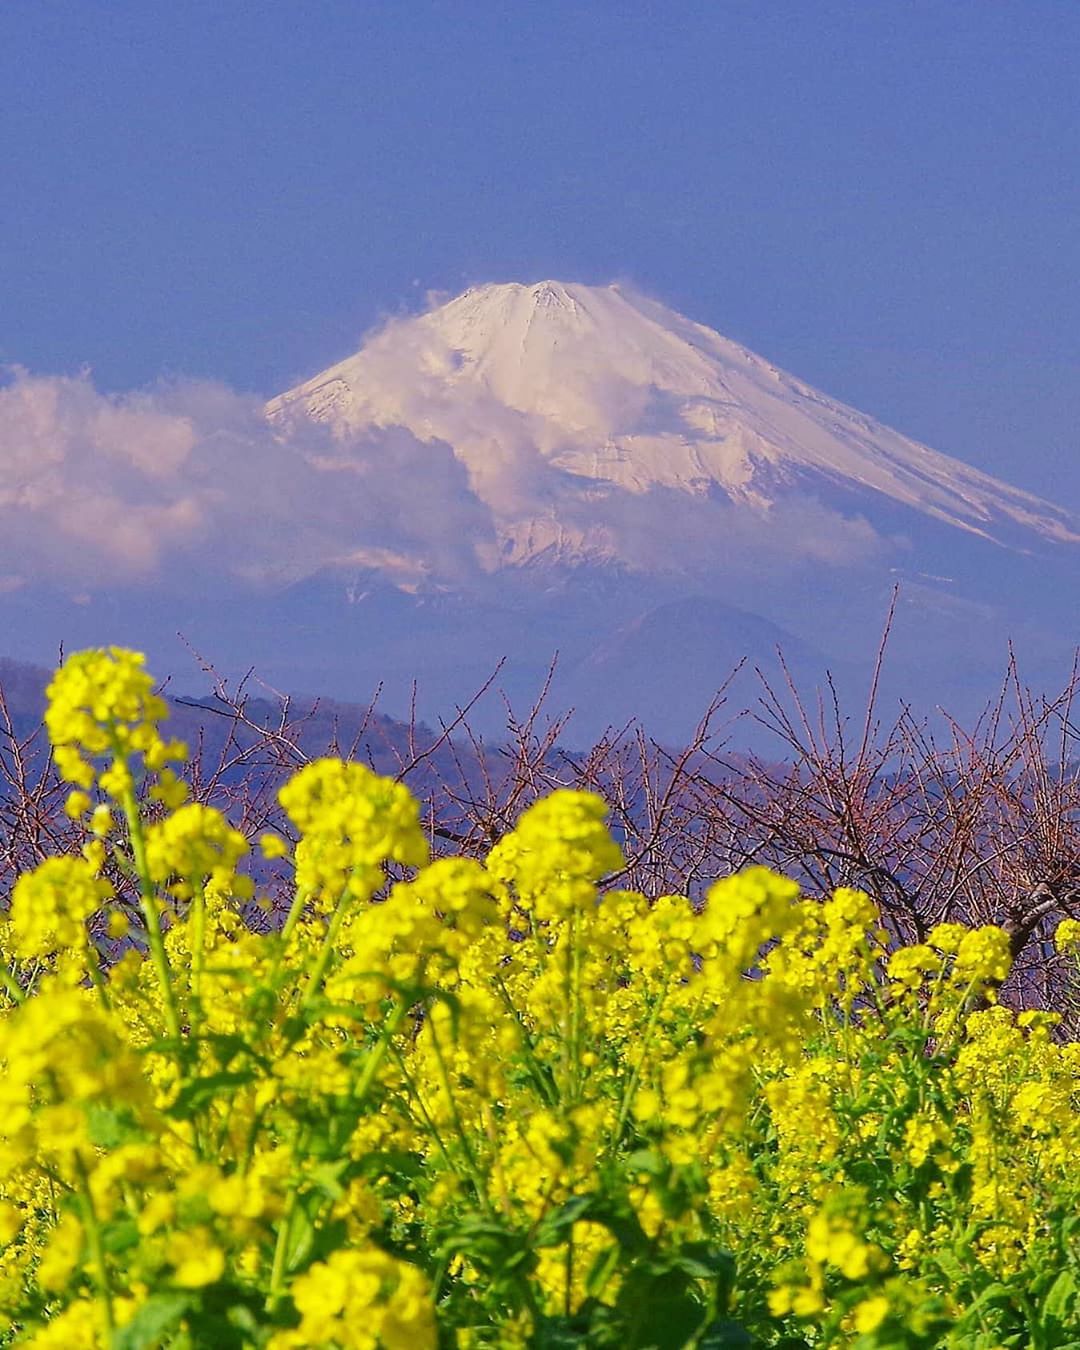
[(934, 821)]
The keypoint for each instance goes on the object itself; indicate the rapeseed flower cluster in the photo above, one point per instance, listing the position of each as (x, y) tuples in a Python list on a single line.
[(498, 1101), (50, 906)]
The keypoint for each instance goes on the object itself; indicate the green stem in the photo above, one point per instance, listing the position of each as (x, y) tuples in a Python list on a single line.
[(281, 1246), (198, 944), (97, 1248), (575, 1006), (299, 900), (569, 1021), (568, 1305), (252, 1139), (540, 1072), (635, 1073), (93, 966), (415, 1093), (378, 1051), (363, 1085), (459, 1125), (14, 989), (151, 914), (326, 951)]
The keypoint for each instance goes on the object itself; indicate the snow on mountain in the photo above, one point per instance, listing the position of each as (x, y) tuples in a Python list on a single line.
[(598, 425)]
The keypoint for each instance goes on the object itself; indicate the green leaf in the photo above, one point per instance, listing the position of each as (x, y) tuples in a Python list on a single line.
[(557, 1226), (702, 1261), (1057, 1314), (1060, 1296), (647, 1160), (602, 1269), (493, 1246), (619, 1219), (160, 1314), (950, 1266), (569, 1333), (243, 1319), (725, 1335), (111, 1127), (227, 1318), (302, 1231), (328, 1238), (395, 1163), (228, 1046), (195, 1094), (120, 1236), (994, 1295), (328, 1177), (660, 1312)]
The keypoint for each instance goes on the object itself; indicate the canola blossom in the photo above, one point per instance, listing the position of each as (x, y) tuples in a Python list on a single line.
[(497, 1102)]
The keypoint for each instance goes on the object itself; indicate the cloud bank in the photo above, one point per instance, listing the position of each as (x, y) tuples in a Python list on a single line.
[(188, 482), (99, 490)]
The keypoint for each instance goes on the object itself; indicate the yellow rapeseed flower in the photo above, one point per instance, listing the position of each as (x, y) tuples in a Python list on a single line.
[(50, 906)]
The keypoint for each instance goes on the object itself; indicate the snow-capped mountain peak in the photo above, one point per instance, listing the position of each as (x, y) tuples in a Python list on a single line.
[(585, 415)]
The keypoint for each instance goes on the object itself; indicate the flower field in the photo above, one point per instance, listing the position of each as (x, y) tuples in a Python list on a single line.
[(495, 1102)]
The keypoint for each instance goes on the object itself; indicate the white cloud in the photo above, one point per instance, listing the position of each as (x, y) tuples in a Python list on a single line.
[(187, 481), (98, 489)]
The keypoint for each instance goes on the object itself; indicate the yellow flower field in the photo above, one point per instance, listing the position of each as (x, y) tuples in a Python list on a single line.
[(497, 1103)]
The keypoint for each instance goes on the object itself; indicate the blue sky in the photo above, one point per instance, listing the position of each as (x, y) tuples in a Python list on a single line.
[(882, 197)]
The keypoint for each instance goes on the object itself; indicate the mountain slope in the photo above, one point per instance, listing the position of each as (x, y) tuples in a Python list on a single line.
[(586, 416)]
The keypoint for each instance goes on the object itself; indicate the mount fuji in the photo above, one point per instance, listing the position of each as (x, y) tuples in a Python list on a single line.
[(657, 502), (616, 396), (520, 471)]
